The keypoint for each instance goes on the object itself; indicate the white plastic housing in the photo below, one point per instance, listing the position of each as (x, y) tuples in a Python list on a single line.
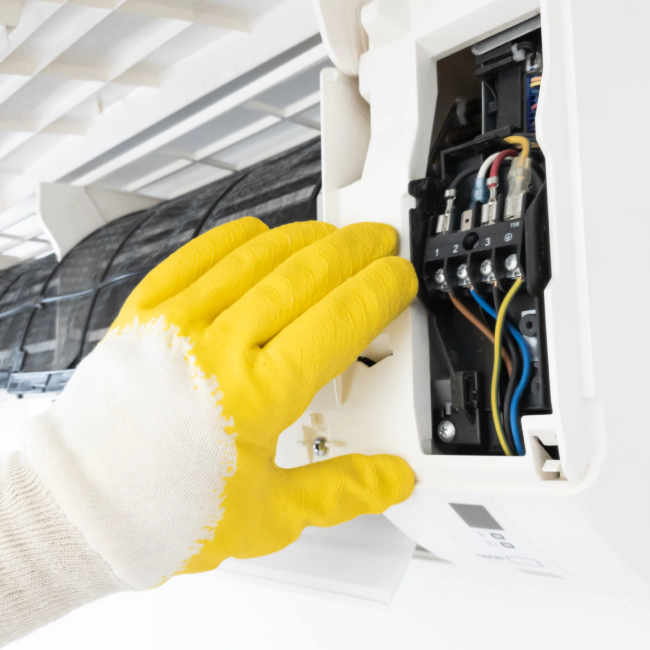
[(583, 517), (70, 213)]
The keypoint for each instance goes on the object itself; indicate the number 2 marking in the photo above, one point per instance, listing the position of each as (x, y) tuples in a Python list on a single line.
[(455, 248)]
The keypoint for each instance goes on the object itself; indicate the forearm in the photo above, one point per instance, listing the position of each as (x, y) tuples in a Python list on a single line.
[(46, 567)]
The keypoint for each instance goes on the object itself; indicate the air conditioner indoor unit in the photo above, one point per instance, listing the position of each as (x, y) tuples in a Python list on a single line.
[(419, 114)]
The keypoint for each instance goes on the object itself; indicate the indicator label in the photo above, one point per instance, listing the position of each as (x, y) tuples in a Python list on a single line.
[(478, 525)]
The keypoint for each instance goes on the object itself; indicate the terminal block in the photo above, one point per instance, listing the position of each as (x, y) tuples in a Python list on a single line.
[(485, 256)]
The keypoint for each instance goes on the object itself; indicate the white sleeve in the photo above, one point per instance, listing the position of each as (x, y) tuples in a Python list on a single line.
[(46, 567)]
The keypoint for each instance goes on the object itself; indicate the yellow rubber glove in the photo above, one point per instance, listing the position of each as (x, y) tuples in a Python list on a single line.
[(162, 448)]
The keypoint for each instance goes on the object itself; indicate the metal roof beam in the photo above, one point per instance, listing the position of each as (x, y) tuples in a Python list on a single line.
[(66, 39), (64, 127), (290, 113), (221, 18), (186, 85), (20, 68), (74, 98), (10, 11), (196, 120)]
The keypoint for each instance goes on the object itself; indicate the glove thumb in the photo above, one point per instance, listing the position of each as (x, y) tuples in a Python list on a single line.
[(340, 489)]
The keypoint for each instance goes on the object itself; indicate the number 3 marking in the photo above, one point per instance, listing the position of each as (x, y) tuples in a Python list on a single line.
[(487, 241)]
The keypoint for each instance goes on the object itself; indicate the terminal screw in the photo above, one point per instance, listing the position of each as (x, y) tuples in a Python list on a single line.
[(461, 272), (440, 276), (320, 446), (446, 431), (511, 262), (486, 267)]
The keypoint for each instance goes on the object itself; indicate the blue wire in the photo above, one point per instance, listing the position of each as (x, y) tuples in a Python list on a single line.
[(525, 374)]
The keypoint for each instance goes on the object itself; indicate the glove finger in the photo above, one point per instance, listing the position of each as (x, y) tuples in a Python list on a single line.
[(184, 267), (226, 282), (337, 490), (326, 339), (304, 279)]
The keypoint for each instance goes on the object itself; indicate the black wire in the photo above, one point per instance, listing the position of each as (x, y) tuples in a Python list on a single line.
[(435, 146), (462, 176), (513, 351), (538, 175)]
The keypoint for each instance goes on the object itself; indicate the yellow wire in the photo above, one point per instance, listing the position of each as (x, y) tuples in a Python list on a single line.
[(496, 370), (524, 143)]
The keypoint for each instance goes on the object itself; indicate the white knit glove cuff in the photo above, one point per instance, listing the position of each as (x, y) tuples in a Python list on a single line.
[(46, 567)]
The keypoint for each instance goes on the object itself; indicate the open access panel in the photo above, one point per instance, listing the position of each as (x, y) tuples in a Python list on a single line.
[(479, 243)]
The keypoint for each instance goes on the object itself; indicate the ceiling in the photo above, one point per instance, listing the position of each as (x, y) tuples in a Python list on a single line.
[(155, 97)]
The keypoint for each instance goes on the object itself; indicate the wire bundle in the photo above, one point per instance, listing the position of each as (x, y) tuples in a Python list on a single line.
[(492, 164), (512, 413), (510, 439), (518, 358)]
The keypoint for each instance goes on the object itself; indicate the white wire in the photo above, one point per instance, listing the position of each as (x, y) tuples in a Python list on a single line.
[(485, 167)]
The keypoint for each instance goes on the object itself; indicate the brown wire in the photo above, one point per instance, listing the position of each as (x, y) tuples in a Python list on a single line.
[(483, 329)]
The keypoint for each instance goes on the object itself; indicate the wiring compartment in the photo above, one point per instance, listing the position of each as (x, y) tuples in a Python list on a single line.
[(479, 242)]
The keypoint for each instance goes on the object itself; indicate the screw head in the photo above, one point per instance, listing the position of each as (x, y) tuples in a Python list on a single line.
[(446, 431), (511, 262), (461, 272), (440, 276), (320, 446), (486, 267)]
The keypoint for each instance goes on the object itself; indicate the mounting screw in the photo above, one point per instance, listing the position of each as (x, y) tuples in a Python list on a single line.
[(461, 272), (446, 431), (486, 267), (511, 262), (320, 446), (440, 276)]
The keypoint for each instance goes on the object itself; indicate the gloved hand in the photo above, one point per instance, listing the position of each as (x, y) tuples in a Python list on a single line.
[(161, 449)]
